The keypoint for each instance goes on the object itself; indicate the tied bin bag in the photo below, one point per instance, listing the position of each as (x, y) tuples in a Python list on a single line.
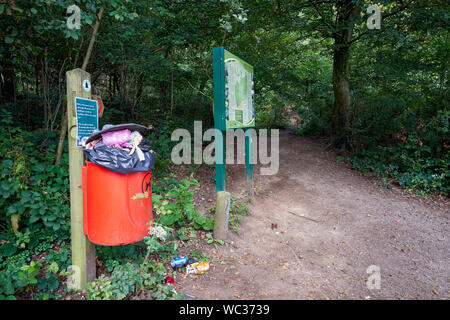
[(119, 165)]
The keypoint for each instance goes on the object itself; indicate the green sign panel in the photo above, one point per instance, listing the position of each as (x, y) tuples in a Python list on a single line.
[(87, 119), (239, 94), (234, 105), (234, 108)]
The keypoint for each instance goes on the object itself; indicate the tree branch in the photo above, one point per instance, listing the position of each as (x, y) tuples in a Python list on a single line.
[(91, 43)]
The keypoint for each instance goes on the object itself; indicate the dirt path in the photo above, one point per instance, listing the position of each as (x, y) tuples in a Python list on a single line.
[(331, 225)]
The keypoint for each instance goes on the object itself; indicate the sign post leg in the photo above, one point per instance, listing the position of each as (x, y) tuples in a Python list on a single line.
[(249, 162), (83, 251), (220, 163)]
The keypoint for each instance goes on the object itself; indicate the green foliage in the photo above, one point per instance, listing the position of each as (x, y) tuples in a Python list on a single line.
[(154, 274), (211, 240), (18, 277), (100, 289), (162, 144), (176, 207), (128, 278), (417, 160), (159, 240), (198, 255), (20, 274), (34, 192), (124, 280), (34, 203), (119, 253), (167, 292)]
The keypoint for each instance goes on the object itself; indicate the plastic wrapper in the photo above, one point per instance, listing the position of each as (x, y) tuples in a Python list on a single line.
[(117, 138)]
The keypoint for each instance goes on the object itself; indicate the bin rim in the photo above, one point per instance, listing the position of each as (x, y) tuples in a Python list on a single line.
[(110, 128)]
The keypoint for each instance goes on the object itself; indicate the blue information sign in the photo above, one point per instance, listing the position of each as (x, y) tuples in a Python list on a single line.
[(87, 119)]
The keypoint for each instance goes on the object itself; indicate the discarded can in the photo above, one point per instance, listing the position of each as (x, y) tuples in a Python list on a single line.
[(179, 262), (198, 268)]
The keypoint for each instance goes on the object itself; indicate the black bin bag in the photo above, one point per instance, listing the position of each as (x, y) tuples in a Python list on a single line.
[(118, 160)]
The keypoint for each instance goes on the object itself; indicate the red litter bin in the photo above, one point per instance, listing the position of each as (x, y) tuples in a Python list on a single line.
[(110, 216)]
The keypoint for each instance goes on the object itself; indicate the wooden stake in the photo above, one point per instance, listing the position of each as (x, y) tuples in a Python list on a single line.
[(83, 251)]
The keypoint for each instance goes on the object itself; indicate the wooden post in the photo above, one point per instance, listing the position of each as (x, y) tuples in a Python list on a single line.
[(83, 251), (222, 215)]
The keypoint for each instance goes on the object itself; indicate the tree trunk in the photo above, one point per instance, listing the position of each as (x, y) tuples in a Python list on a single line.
[(114, 84), (341, 89), (123, 82), (346, 12), (45, 88), (171, 95), (163, 95), (163, 87), (110, 84), (137, 94), (8, 83), (62, 134), (36, 74)]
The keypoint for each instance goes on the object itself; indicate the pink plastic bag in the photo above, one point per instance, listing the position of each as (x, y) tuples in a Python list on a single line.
[(117, 139)]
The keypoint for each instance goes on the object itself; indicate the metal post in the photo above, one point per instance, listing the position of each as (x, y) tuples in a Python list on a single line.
[(249, 161)]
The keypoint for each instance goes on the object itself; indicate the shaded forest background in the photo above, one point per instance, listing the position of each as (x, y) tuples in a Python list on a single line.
[(379, 95)]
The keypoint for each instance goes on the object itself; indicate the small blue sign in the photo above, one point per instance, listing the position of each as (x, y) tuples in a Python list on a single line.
[(87, 119)]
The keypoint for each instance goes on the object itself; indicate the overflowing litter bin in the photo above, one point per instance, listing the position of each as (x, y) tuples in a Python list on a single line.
[(119, 165)]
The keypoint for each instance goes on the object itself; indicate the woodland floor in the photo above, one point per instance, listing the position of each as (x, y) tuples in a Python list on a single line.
[(315, 228)]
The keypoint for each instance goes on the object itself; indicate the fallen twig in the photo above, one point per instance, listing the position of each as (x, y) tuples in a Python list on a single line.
[(302, 216)]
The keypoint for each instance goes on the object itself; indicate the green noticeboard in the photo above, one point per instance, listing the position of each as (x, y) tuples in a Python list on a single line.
[(234, 105), (87, 118), (234, 108)]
